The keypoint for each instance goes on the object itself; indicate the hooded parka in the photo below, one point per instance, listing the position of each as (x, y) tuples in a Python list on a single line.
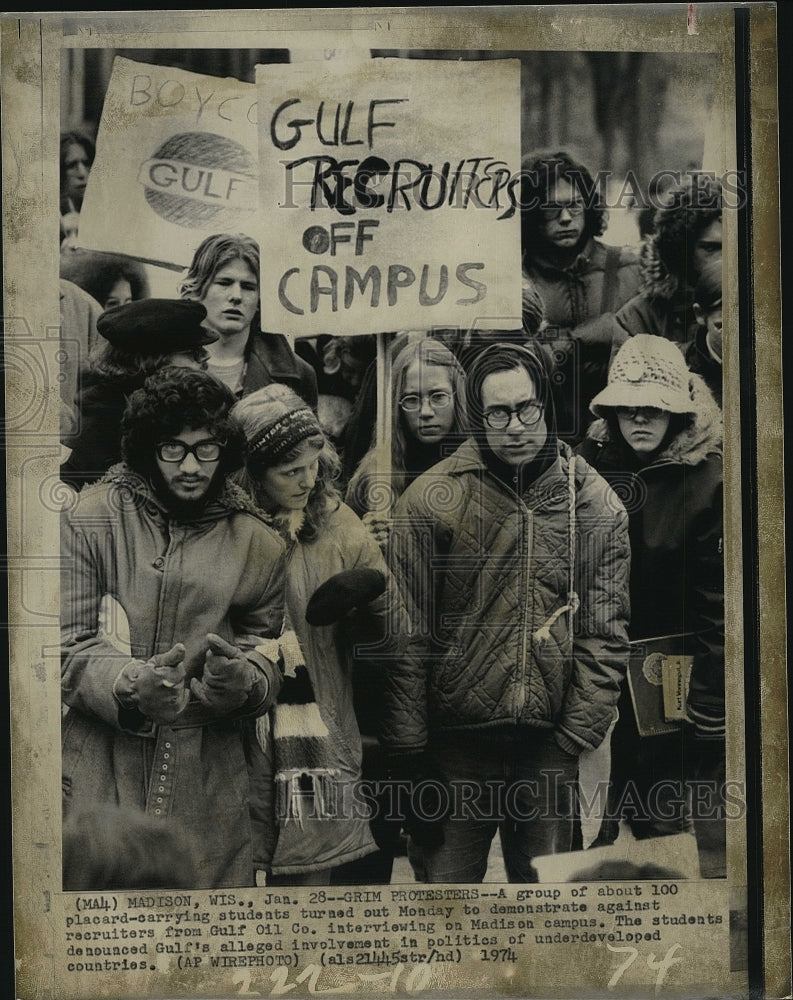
[(136, 581)]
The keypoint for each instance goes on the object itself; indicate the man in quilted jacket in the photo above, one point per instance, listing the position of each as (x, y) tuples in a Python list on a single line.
[(515, 560)]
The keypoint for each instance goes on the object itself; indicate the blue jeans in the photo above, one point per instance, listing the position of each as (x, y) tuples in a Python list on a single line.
[(519, 783)]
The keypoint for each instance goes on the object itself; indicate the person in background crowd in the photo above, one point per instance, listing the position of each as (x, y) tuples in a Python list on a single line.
[(340, 364), (581, 281), (704, 354), (513, 531), (659, 443), (427, 423), (136, 340), (224, 278), (112, 279), (79, 316), (331, 558), (686, 236), (76, 159), (170, 581)]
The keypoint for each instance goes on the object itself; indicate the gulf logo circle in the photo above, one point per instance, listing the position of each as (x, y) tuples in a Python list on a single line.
[(199, 180)]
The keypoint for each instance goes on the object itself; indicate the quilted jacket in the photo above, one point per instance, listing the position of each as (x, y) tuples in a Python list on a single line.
[(487, 575), (165, 581)]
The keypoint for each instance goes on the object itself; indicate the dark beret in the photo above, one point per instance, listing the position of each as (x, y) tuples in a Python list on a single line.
[(155, 326)]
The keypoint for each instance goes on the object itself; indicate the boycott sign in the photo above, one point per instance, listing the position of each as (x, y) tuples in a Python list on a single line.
[(389, 195), (175, 162)]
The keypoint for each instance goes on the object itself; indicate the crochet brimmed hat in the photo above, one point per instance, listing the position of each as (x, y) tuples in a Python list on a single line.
[(647, 371)]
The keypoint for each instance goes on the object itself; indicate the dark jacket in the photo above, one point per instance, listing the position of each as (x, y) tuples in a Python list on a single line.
[(674, 507), (701, 361), (271, 359), (579, 306), (487, 575), (96, 441), (663, 307), (134, 583)]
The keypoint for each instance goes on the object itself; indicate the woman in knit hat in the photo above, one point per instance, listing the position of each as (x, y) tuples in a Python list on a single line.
[(338, 593), (658, 441)]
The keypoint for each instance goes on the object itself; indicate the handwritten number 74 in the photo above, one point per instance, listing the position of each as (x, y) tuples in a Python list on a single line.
[(661, 967)]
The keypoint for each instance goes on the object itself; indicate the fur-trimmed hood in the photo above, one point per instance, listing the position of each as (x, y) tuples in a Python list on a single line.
[(657, 282), (703, 436)]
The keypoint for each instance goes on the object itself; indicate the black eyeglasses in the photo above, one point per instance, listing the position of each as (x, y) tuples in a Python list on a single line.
[(500, 417), (438, 400), (551, 212), (177, 451), (631, 412)]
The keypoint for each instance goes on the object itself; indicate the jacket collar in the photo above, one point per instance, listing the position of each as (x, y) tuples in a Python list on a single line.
[(468, 458), (589, 257), (270, 358), (232, 499)]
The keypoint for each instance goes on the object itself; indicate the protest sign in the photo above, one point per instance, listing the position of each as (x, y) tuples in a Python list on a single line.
[(175, 162), (389, 195)]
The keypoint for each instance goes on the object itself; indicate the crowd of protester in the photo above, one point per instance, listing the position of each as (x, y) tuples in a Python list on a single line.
[(299, 649)]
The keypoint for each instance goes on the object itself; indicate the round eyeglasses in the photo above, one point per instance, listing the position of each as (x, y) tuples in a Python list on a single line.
[(438, 400), (552, 212), (500, 417), (177, 451)]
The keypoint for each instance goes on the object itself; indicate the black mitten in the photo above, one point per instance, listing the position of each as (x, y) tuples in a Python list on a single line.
[(343, 592)]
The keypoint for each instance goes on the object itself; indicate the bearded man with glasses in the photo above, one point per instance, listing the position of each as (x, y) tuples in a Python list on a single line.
[(171, 579), (581, 280), (514, 556)]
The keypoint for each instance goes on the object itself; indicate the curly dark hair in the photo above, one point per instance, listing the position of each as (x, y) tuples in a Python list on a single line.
[(538, 175), (690, 207), (170, 400)]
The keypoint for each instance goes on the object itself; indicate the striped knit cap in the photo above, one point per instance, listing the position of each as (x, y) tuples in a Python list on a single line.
[(277, 439)]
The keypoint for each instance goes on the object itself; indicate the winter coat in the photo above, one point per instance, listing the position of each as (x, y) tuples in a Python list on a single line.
[(579, 306), (674, 507), (315, 843), (135, 582), (271, 359), (663, 307), (488, 577)]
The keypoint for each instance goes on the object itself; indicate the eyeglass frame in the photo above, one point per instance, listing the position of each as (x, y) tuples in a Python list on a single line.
[(189, 449), (536, 404), (630, 412), (551, 213), (428, 396)]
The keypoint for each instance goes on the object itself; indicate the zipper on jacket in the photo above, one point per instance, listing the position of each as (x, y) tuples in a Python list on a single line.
[(523, 694)]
